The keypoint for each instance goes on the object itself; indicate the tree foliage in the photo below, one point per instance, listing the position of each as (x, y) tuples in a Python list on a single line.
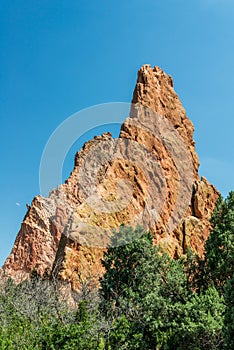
[(152, 294), (219, 257), (146, 300)]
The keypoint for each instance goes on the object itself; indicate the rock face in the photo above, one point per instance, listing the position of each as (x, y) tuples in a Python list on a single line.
[(150, 177)]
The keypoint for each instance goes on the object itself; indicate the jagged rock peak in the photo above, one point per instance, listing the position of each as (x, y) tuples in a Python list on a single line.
[(41, 244)]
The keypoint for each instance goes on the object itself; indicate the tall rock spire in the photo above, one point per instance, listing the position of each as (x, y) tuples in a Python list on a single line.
[(156, 165)]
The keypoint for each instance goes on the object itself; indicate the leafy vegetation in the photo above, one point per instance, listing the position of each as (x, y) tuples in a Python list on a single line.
[(146, 300)]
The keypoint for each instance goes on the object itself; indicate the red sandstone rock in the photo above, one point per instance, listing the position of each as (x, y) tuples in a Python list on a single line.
[(40, 244)]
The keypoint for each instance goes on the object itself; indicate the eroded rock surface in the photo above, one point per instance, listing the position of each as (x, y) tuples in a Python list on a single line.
[(151, 178)]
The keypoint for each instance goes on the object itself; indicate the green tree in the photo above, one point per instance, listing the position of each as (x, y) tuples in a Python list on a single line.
[(229, 314), (128, 265), (33, 316), (219, 248), (151, 303)]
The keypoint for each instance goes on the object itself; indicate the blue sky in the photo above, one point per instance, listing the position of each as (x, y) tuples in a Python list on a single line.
[(58, 57)]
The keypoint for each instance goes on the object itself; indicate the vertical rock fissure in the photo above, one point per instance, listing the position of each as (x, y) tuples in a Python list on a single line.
[(60, 254), (183, 237)]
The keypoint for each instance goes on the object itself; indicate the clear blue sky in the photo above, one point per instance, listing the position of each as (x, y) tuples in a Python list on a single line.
[(58, 57)]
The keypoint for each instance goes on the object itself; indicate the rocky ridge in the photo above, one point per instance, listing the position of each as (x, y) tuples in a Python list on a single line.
[(157, 197)]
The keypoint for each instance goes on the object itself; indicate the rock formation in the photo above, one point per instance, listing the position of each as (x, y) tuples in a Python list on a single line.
[(153, 163)]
